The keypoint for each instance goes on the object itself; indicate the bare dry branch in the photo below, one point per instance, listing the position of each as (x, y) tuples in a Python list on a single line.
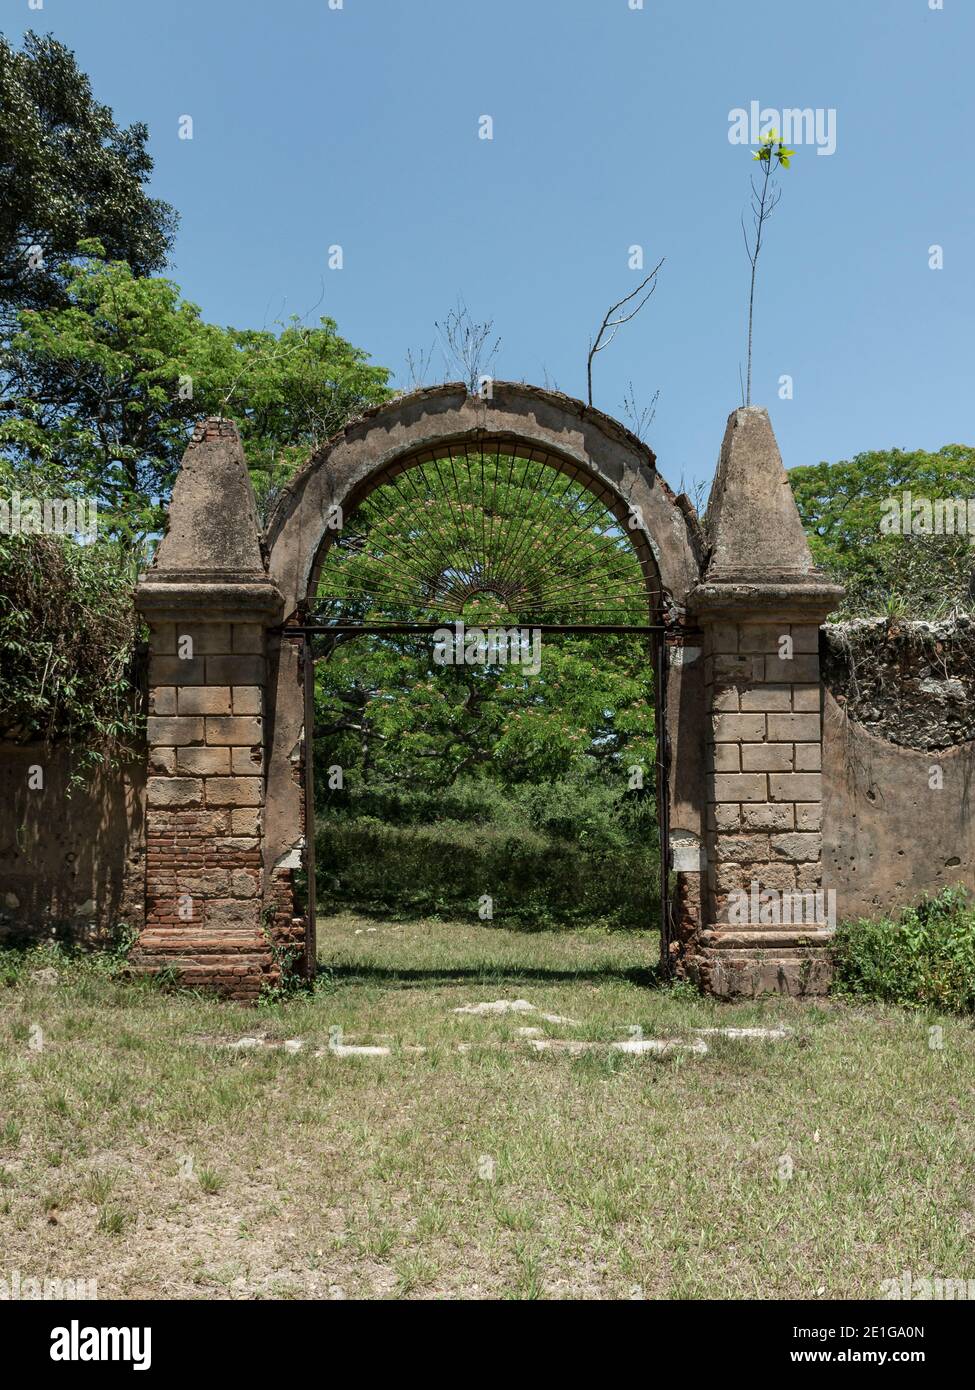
[(598, 344)]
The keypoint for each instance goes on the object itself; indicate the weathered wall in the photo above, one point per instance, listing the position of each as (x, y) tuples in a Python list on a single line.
[(897, 820), (77, 871)]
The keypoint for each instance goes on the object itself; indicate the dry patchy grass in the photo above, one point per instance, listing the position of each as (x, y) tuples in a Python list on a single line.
[(138, 1150)]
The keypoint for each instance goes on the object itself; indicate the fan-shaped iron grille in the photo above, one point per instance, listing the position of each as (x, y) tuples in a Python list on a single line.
[(487, 533)]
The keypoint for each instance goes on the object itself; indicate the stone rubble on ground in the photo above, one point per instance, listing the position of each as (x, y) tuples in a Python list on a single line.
[(660, 1046), (769, 1034), (519, 1006), (634, 1047)]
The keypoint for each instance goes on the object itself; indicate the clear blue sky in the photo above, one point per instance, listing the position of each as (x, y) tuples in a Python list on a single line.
[(358, 126)]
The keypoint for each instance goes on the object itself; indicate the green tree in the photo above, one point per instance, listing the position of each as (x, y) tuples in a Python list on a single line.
[(497, 541), (843, 506), (103, 389), (68, 172), (67, 638), (771, 154), (386, 713)]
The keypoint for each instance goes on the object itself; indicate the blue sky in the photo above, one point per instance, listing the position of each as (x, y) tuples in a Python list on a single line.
[(358, 126)]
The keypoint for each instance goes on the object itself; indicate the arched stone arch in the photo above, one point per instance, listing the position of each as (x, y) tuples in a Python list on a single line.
[(561, 431), (739, 732), (543, 425)]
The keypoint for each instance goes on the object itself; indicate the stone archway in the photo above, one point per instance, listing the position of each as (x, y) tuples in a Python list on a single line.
[(560, 432), (225, 816)]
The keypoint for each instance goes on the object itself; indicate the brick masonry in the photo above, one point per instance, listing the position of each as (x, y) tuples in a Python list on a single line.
[(764, 741), (205, 807), (741, 739), (208, 603)]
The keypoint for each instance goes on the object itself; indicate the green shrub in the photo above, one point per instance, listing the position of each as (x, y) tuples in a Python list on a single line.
[(580, 809), (923, 959), (68, 631), (580, 849), (445, 867)]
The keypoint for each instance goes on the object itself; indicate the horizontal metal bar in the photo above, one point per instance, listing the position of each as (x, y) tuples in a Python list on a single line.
[(389, 629)]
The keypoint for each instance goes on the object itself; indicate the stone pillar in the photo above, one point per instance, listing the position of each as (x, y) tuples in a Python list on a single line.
[(766, 920), (208, 602)]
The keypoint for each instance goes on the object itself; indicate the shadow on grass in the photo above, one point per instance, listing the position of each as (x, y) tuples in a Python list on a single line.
[(406, 977), (526, 921)]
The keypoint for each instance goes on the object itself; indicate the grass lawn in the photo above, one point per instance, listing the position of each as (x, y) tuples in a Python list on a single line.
[(137, 1149)]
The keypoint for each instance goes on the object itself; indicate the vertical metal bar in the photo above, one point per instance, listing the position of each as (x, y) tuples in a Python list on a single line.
[(311, 924), (663, 795)]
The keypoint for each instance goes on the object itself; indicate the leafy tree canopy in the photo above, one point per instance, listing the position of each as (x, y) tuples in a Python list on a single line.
[(843, 506), (68, 172), (67, 633), (499, 542), (103, 390), (386, 713)]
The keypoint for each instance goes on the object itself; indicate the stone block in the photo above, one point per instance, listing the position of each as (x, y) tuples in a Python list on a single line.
[(237, 844), (162, 639), (780, 875), (205, 699), (174, 791), (247, 699), (805, 638), (730, 728), (247, 762), (245, 883), (235, 670), (743, 849), (245, 822), (797, 728), (724, 816), (809, 815), (724, 757), (233, 912), (774, 698), (175, 670), (767, 817), (750, 786), (766, 757), (809, 877), (809, 757), (724, 638), (725, 699), (162, 760), (207, 638), (248, 639), (204, 762), (243, 731), (732, 668), (798, 847), (162, 699), (729, 878), (800, 668), (174, 732), (806, 698), (234, 791), (796, 786), (761, 637)]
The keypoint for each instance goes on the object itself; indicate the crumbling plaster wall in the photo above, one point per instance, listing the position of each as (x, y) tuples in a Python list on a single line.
[(78, 872), (898, 820)]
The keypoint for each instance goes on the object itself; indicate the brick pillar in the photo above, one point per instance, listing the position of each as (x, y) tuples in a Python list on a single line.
[(760, 604), (208, 603)]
